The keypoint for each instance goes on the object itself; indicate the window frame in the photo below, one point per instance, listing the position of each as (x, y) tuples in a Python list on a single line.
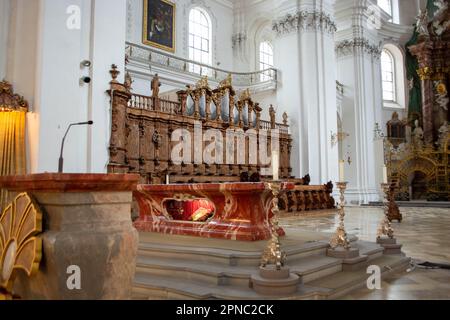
[(391, 9), (394, 77), (263, 65), (194, 49)]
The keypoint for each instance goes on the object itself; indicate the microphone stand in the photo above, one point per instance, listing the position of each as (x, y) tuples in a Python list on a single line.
[(61, 159)]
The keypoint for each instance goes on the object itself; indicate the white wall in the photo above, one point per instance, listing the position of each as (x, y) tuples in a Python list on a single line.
[(44, 65), (4, 31)]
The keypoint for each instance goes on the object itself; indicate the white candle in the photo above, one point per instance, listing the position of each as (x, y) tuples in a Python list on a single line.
[(167, 179), (341, 171), (275, 165), (385, 174)]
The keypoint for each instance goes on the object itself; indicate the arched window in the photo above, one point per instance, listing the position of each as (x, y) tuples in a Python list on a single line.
[(388, 76), (391, 7), (265, 59), (386, 5), (199, 38)]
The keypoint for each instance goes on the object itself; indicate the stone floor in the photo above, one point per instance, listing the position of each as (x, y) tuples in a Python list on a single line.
[(425, 234)]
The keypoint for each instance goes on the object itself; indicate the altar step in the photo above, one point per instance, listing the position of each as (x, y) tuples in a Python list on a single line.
[(414, 204), (329, 287), (222, 256), (172, 271)]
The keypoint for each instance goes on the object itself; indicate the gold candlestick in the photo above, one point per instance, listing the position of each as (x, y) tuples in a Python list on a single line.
[(340, 237), (385, 227), (273, 253)]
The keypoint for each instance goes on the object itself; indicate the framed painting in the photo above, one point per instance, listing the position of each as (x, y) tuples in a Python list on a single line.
[(159, 24)]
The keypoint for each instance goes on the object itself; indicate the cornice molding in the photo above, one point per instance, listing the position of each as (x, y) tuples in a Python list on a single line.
[(304, 20), (348, 47)]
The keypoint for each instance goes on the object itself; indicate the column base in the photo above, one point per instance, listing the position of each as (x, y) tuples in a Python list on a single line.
[(273, 282), (390, 246)]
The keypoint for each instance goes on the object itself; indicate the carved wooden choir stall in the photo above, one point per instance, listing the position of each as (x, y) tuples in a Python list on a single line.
[(143, 128)]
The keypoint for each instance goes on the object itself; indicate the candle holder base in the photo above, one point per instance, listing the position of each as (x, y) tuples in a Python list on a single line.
[(351, 259), (390, 245), (275, 282), (342, 253)]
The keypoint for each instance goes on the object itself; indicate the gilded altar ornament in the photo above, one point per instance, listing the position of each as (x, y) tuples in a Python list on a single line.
[(441, 89), (340, 237), (226, 83), (273, 255), (202, 83), (245, 95), (385, 227), (20, 248)]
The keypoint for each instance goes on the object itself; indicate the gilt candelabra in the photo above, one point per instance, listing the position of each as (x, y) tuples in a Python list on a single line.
[(273, 255), (385, 228), (340, 237)]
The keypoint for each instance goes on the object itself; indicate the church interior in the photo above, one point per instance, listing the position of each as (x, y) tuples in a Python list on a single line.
[(224, 149)]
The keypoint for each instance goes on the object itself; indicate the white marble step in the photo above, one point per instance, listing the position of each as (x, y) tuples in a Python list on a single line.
[(308, 269), (225, 256), (169, 289), (332, 286), (344, 282)]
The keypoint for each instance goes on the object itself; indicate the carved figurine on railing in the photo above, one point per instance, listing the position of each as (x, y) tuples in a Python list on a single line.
[(155, 84), (272, 114)]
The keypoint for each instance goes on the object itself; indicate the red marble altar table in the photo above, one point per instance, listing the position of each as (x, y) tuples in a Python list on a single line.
[(242, 210)]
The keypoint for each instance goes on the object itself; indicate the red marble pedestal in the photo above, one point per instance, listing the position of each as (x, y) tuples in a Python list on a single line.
[(243, 210)]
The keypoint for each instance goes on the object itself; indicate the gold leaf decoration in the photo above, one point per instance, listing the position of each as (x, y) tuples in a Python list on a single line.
[(20, 248)]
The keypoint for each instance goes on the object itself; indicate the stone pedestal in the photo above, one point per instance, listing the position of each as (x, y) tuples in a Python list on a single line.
[(87, 228), (273, 282), (351, 260), (390, 245)]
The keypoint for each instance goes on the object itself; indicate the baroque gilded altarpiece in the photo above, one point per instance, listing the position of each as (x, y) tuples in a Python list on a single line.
[(425, 153)]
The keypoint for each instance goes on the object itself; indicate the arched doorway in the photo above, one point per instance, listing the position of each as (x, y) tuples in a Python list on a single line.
[(418, 186)]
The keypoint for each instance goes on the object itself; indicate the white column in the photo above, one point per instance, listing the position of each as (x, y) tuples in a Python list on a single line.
[(107, 47), (305, 56), (358, 64)]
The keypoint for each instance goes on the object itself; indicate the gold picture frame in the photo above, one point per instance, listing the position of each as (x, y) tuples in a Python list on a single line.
[(159, 27)]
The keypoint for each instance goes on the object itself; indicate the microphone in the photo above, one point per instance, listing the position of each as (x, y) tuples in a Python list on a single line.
[(61, 159), (84, 123)]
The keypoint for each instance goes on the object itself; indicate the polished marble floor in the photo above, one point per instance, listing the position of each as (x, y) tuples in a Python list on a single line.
[(425, 235)]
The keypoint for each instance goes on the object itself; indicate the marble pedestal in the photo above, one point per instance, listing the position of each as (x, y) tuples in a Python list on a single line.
[(351, 260), (273, 282), (87, 227), (390, 245)]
